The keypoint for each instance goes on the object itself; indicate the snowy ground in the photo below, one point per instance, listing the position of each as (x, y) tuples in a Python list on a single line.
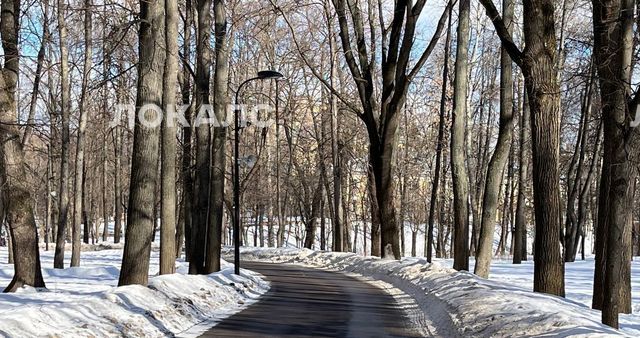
[(85, 302), (461, 304), (578, 282)]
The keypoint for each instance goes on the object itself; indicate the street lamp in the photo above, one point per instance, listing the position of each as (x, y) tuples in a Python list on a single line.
[(262, 75)]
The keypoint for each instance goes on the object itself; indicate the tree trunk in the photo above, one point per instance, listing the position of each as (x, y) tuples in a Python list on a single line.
[(572, 234), (538, 63), (118, 150), (519, 242), (85, 213), (338, 215), (105, 183), (49, 210), (499, 158), (169, 143), (202, 175), (613, 31), (544, 102), (323, 227), (220, 93), (63, 194), (82, 125), (312, 221), (187, 151), (146, 139), (428, 249), (117, 187), (458, 151), (15, 193), (375, 218)]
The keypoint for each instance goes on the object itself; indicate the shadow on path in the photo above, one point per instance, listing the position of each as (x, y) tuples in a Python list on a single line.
[(305, 302)]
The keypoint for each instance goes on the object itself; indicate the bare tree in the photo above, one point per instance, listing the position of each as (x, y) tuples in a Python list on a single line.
[(520, 233), (202, 175), (146, 139), (458, 151), (500, 155), (441, 125), (613, 22), (220, 100), (169, 143), (16, 198), (538, 62), (63, 194), (78, 203)]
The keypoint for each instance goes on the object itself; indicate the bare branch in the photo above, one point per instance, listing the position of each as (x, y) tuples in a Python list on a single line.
[(503, 32)]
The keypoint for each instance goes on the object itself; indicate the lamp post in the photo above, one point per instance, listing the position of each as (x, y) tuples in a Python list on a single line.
[(262, 75)]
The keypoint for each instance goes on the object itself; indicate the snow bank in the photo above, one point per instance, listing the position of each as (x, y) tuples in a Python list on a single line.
[(85, 302), (459, 303)]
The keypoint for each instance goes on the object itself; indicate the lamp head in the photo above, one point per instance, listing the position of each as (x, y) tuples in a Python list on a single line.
[(269, 74)]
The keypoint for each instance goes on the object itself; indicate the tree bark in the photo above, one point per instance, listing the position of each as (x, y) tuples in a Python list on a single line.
[(338, 215), (82, 125), (458, 151), (146, 139), (187, 150), (499, 158), (220, 93), (202, 174), (538, 63), (613, 32), (520, 233), (169, 143), (63, 194), (439, 146), (15, 193)]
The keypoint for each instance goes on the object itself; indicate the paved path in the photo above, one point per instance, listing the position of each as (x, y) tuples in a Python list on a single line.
[(306, 302)]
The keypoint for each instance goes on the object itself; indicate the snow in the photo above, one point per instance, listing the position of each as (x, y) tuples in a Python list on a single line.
[(461, 304), (578, 283), (86, 302)]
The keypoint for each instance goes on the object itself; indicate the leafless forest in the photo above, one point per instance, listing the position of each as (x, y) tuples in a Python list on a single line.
[(448, 128)]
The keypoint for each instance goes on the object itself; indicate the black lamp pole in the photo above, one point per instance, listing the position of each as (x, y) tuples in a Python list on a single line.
[(263, 75)]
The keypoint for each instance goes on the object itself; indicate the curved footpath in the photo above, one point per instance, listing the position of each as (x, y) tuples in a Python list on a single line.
[(304, 302)]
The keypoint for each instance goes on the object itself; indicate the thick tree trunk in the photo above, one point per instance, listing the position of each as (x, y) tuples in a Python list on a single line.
[(82, 125), (458, 151), (146, 139), (220, 93), (202, 175), (499, 158), (544, 102), (16, 198), (169, 143), (538, 63), (63, 194), (613, 31)]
